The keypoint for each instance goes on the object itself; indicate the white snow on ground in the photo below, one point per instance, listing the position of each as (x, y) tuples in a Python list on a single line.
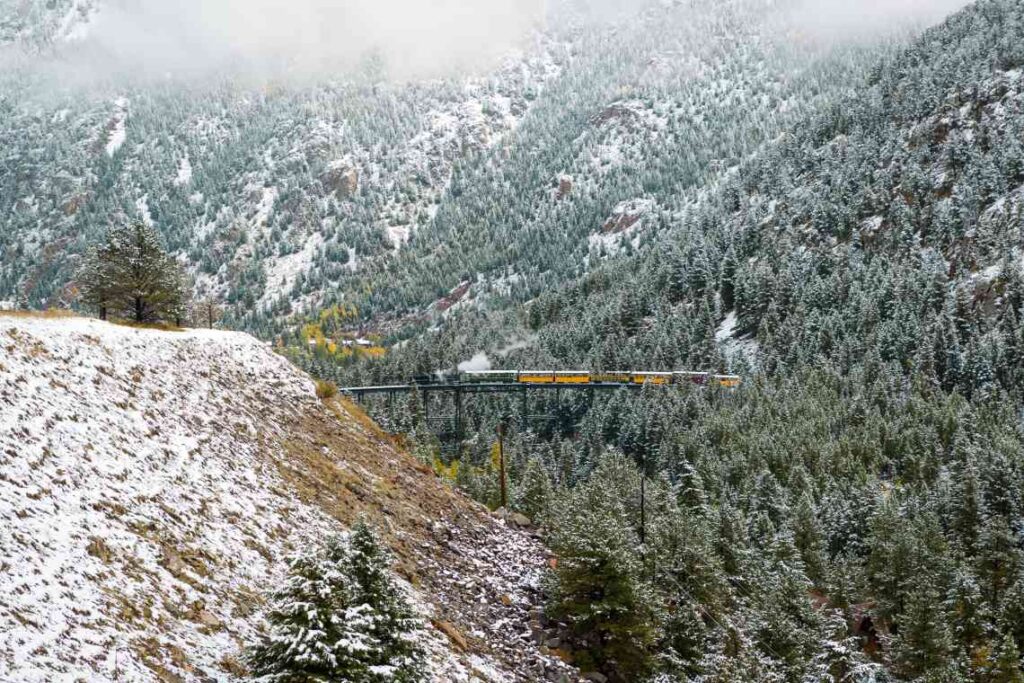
[(130, 469), (727, 329), (282, 273), (118, 133), (76, 22), (142, 205), (734, 347), (398, 236), (184, 176), (265, 207), (145, 510)]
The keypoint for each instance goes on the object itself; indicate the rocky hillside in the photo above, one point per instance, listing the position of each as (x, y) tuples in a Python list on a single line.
[(152, 484), (287, 197)]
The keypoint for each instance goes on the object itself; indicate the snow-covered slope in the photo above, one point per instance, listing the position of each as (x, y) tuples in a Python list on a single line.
[(152, 484)]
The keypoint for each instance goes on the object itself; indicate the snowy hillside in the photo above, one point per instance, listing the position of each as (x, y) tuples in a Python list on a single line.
[(153, 483), (39, 23), (287, 197)]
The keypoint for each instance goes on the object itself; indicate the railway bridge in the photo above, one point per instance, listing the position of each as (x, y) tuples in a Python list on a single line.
[(521, 383)]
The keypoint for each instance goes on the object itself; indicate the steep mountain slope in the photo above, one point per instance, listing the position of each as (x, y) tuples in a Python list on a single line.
[(154, 482), (38, 24), (287, 197), (252, 185), (854, 511), (648, 112), (885, 227)]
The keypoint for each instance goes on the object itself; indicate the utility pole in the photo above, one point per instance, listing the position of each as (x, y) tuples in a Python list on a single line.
[(643, 500), (502, 484)]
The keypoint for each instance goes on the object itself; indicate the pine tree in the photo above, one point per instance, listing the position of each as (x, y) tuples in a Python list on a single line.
[(132, 276), (1012, 618), (966, 612), (1005, 666), (924, 644), (339, 617), (317, 632), (535, 491), (367, 562), (598, 589), (841, 659)]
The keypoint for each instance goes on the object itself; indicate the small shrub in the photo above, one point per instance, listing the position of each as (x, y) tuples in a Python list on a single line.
[(326, 390)]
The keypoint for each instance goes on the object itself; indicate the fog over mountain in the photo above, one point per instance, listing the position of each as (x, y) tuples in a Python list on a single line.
[(149, 39), (856, 19)]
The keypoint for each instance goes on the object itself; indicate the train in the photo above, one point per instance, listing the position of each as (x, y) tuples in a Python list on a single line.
[(585, 377)]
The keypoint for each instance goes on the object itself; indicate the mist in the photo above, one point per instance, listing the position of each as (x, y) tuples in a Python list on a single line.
[(406, 38), (188, 40), (854, 20)]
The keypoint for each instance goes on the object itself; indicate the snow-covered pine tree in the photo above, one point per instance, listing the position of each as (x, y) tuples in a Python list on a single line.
[(397, 656), (1005, 664), (598, 589), (317, 634), (840, 658), (132, 276), (535, 491), (95, 288), (340, 617), (924, 644)]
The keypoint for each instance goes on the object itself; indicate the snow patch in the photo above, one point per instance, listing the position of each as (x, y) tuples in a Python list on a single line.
[(734, 347), (184, 176), (727, 329), (142, 206), (118, 129), (282, 273)]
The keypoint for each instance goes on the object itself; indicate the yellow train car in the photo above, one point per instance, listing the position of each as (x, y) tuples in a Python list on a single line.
[(572, 378), (615, 377)]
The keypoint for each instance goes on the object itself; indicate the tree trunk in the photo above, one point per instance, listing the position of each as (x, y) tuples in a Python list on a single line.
[(139, 306), (103, 313)]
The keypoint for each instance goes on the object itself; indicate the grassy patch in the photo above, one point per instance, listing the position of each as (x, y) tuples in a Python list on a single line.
[(326, 390), (52, 313), (344, 408), (160, 327)]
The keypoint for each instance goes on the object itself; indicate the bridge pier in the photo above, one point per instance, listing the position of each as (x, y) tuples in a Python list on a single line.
[(524, 408), (458, 416)]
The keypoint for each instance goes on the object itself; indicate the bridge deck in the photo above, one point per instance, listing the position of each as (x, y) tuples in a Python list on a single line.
[(484, 387)]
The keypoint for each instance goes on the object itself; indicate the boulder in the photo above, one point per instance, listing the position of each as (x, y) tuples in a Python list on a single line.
[(513, 518), (342, 180)]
